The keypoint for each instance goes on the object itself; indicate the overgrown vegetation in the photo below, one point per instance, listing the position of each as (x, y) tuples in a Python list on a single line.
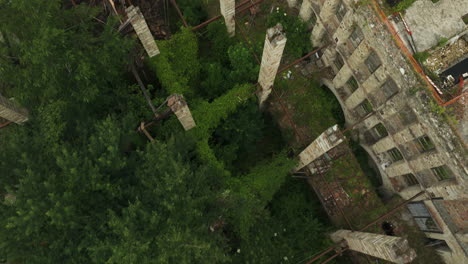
[(296, 29), (88, 189), (402, 5), (421, 56)]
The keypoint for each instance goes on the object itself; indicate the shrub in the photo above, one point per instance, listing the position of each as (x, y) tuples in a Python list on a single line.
[(295, 30), (405, 4), (421, 56)]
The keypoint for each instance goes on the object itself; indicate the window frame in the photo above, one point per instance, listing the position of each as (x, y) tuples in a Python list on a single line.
[(389, 85), (352, 84), (339, 11), (422, 213), (370, 60), (395, 154), (356, 35), (442, 173), (425, 144), (366, 107), (377, 129), (339, 59), (410, 179)]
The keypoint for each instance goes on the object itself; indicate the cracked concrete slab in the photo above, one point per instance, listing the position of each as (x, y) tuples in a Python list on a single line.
[(430, 22)]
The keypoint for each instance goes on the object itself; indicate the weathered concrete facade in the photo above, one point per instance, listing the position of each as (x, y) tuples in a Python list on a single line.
[(11, 112), (390, 248), (321, 145), (180, 108), (275, 41), (393, 115), (141, 28), (228, 10)]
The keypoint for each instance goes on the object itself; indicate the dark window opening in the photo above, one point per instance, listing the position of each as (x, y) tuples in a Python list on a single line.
[(410, 179), (395, 154), (352, 84), (389, 88), (373, 62), (339, 61), (425, 144), (340, 11), (441, 173), (356, 37), (364, 108), (380, 131), (422, 217), (407, 116)]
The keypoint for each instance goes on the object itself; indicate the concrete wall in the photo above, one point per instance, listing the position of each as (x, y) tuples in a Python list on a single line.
[(406, 115), (11, 112)]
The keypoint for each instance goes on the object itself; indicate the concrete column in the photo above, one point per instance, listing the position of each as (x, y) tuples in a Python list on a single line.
[(180, 108), (292, 3), (390, 248), (325, 142), (275, 42), (11, 112), (228, 10), (306, 10), (141, 28)]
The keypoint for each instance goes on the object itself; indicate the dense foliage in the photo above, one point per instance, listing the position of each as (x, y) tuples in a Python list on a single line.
[(297, 45), (81, 186)]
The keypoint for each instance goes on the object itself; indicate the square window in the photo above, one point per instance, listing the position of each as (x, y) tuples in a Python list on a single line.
[(339, 61), (340, 11), (395, 154), (380, 131), (389, 88), (425, 144), (373, 62), (410, 179), (441, 173), (364, 108), (407, 116), (356, 37), (352, 84), (422, 217)]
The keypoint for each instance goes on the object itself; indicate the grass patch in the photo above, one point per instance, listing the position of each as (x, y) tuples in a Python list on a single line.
[(442, 42), (403, 5), (421, 56)]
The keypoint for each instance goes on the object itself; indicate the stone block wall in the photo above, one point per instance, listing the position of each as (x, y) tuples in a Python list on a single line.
[(390, 248), (141, 28), (321, 145), (393, 96), (180, 108), (275, 41), (11, 112)]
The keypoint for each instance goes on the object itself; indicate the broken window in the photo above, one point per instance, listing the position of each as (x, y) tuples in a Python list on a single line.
[(395, 154), (364, 108), (424, 144), (441, 173), (410, 179), (339, 61), (340, 11), (380, 131), (356, 37), (352, 84), (389, 88), (373, 62), (422, 217)]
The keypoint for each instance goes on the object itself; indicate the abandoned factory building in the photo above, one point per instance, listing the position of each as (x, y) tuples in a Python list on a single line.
[(393, 107)]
